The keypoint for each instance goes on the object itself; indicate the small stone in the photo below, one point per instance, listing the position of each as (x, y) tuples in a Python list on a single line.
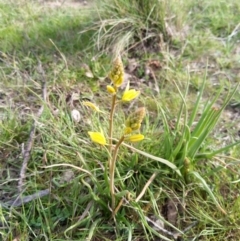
[(75, 114)]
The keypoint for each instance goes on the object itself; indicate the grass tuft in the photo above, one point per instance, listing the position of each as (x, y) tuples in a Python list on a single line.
[(123, 25)]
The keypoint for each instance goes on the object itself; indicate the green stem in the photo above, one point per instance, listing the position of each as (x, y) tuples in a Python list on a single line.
[(112, 172)]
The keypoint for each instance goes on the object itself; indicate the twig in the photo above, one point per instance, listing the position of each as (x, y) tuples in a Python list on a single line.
[(118, 207), (26, 151), (146, 186), (19, 201), (26, 157)]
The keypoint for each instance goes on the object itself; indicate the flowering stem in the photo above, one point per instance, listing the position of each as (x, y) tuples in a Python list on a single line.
[(112, 172), (111, 127)]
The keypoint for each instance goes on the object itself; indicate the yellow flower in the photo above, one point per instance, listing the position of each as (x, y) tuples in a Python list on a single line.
[(135, 119), (91, 105), (116, 75), (111, 89), (97, 137), (130, 95), (135, 138)]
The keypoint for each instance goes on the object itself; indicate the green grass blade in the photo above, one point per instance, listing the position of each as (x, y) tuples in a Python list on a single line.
[(196, 106), (208, 190)]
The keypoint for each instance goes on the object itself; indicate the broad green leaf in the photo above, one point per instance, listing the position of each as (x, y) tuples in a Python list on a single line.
[(155, 158)]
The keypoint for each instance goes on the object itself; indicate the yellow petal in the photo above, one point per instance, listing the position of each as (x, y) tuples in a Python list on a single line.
[(91, 105), (130, 95), (97, 137), (135, 138), (111, 89)]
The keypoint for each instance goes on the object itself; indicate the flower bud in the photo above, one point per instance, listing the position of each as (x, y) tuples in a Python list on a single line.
[(135, 138), (111, 89)]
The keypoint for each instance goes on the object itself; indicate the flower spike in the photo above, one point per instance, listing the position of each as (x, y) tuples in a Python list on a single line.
[(135, 119), (117, 73)]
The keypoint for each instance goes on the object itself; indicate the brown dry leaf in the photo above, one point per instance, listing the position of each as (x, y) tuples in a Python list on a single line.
[(155, 64), (172, 212)]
